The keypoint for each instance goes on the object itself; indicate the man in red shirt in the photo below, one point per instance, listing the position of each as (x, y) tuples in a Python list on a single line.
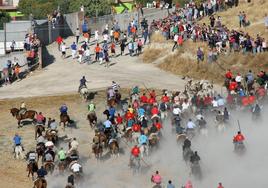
[(165, 98), (136, 127), (143, 98), (119, 119), (158, 125), (135, 154), (233, 85), (154, 111), (40, 118), (207, 100), (229, 74), (59, 40), (129, 115), (239, 138)]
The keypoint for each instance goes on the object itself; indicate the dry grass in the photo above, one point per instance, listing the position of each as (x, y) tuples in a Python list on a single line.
[(157, 37), (186, 66), (150, 54)]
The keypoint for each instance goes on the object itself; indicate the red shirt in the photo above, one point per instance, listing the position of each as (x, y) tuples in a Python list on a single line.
[(229, 75), (152, 94), (158, 126), (261, 92), (239, 138), (151, 100), (154, 111), (232, 86), (135, 151), (135, 104), (165, 99), (59, 40), (39, 117), (251, 99), (245, 101), (207, 100), (119, 120), (129, 116), (136, 128), (144, 99)]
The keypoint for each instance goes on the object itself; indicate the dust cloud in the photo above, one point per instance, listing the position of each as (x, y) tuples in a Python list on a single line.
[(218, 161)]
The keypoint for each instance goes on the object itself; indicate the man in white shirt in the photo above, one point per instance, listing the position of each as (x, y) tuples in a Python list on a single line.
[(176, 37), (190, 125), (76, 168), (74, 145), (63, 50), (105, 38), (176, 110)]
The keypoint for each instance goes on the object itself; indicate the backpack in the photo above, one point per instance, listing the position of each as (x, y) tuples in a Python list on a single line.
[(163, 107)]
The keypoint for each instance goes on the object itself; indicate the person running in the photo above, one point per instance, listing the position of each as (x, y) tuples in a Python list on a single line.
[(83, 82), (156, 178)]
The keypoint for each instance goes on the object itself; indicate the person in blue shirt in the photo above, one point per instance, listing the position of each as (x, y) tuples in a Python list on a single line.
[(83, 82), (143, 139), (41, 173), (141, 112), (17, 140), (170, 185), (63, 110), (112, 112), (74, 49)]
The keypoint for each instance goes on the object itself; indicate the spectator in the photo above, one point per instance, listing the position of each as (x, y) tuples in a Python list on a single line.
[(77, 35), (170, 185), (59, 40), (74, 49)]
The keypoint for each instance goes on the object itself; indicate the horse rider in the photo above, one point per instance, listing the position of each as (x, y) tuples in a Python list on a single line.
[(163, 109), (190, 126), (156, 178), (70, 180), (135, 90), (31, 156), (112, 113), (186, 144), (49, 155), (91, 108), (201, 123), (110, 93), (107, 127), (154, 112), (176, 110), (238, 139), (61, 155), (219, 117), (177, 120), (53, 125), (115, 86), (135, 154), (76, 168), (195, 158), (17, 141), (63, 110), (73, 145), (256, 109), (226, 114), (83, 82), (40, 119), (41, 173), (180, 130), (143, 139), (40, 140), (22, 108)]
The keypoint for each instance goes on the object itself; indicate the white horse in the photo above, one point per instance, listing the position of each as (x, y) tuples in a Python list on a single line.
[(18, 152), (220, 125), (84, 92), (135, 136)]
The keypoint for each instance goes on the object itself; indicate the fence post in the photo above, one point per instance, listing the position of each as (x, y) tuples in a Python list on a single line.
[(49, 32), (5, 38)]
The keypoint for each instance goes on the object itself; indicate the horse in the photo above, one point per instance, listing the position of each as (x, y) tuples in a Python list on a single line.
[(144, 150), (239, 148), (38, 130), (84, 93), (187, 153), (153, 140), (61, 166), (135, 136), (97, 150), (40, 183), (51, 135), (128, 135), (29, 114), (69, 186), (49, 166), (180, 138), (32, 167), (92, 118), (40, 150), (114, 147), (18, 152), (196, 170), (64, 118), (135, 164)]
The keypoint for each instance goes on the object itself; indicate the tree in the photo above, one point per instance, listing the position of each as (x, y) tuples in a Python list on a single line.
[(4, 18), (41, 8), (92, 7)]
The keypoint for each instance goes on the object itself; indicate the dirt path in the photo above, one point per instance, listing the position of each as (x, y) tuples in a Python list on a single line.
[(63, 76)]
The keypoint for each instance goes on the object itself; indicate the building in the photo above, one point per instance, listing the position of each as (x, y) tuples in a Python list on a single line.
[(9, 5)]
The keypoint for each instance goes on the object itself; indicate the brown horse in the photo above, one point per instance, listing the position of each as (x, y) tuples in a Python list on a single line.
[(114, 148), (32, 167), (40, 183), (40, 150), (92, 118), (65, 119), (38, 130), (103, 139), (69, 186), (49, 166), (52, 136), (29, 114), (62, 166), (128, 135), (153, 141), (97, 150)]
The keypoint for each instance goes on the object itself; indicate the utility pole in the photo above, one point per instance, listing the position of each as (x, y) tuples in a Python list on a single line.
[(5, 38), (49, 32)]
